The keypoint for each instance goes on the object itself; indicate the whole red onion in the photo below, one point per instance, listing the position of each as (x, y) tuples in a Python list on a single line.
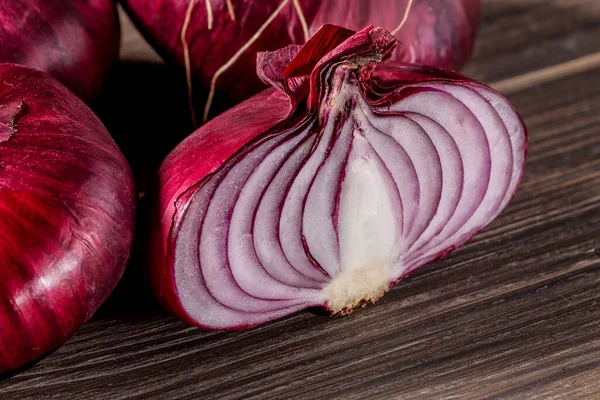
[(435, 32), (66, 214), (74, 41), (326, 190)]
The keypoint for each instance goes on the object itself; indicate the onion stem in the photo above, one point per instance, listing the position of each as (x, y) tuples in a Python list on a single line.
[(230, 10), (186, 50), (302, 20), (186, 60), (209, 14), (237, 55), (404, 18)]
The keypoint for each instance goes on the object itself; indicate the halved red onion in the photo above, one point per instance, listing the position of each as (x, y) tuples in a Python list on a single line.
[(66, 214), (330, 188)]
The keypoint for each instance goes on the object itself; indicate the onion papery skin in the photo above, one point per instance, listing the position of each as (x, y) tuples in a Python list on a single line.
[(76, 42), (67, 205), (326, 190), (438, 33)]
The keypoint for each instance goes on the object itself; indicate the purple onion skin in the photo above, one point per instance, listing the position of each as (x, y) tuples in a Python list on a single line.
[(439, 33), (66, 214), (306, 94), (74, 41)]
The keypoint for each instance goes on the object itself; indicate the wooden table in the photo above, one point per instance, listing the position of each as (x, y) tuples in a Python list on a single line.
[(513, 314)]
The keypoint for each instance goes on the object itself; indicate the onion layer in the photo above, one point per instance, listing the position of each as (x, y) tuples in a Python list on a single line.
[(331, 187), (74, 41), (66, 214)]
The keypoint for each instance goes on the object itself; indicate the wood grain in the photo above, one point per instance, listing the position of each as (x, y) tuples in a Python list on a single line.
[(513, 314)]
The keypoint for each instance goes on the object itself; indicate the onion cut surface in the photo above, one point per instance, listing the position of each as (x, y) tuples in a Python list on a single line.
[(66, 214), (331, 187)]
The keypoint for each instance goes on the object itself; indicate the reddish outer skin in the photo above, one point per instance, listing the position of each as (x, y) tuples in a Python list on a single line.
[(441, 32), (66, 214), (289, 70), (74, 41)]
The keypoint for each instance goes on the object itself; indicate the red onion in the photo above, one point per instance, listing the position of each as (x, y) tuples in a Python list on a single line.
[(331, 187), (432, 32), (74, 41), (66, 214)]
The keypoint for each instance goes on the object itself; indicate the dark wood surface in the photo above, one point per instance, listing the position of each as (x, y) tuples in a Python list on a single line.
[(515, 313)]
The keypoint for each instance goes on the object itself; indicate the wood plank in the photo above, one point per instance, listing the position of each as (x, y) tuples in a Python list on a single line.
[(540, 76), (515, 313), (518, 36)]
